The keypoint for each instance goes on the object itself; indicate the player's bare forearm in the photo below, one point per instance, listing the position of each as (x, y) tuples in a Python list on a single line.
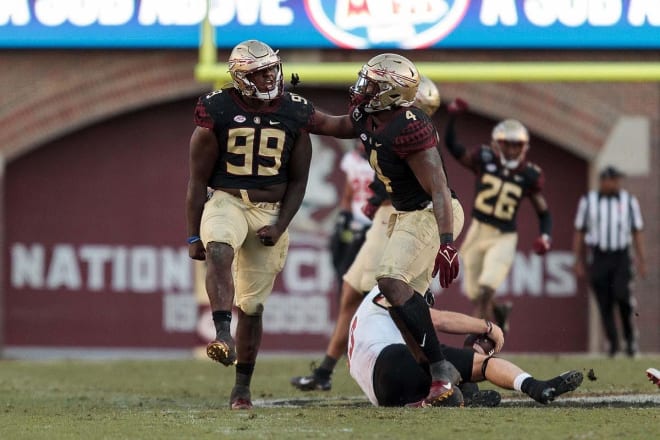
[(203, 154), (460, 324), (455, 148), (427, 166), (640, 254), (195, 199), (457, 323), (298, 175), (328, 125)]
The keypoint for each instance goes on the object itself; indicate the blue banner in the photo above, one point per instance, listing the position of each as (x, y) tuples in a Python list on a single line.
[(357, 24)]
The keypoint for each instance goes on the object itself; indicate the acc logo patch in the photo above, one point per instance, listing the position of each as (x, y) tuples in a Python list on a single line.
[(240, 118), (361, 24)]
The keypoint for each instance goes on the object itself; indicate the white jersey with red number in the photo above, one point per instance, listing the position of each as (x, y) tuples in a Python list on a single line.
[(359, 175), (371, 330)]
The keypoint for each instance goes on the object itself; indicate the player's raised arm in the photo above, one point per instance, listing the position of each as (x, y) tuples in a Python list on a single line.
[(329, 125), (456, 149), (299, 162), (203, 155), (542, 243)]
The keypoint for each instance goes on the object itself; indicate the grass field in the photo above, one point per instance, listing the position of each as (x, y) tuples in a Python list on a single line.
[(182, 399)]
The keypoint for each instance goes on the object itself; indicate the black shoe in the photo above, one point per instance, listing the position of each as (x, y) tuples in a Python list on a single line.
[(501, 313), (632, 349), (553, 388), (474, 397), (317, 381)]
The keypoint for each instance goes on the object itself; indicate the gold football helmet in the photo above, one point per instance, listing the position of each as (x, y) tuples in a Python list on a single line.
[(510, 140), (428, 96), (249, 57), (387, 80)]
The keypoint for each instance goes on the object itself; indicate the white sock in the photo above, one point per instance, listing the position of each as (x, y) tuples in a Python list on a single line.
[(518, 381)]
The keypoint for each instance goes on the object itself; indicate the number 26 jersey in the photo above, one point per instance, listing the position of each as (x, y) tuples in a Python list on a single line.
[(255, 145), (499, 190)]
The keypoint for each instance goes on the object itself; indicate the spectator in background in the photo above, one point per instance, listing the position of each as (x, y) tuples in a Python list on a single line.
[(352, 224), (608, 221)]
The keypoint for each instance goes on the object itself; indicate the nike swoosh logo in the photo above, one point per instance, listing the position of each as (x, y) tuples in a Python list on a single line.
[(423, 341), (273, 122)]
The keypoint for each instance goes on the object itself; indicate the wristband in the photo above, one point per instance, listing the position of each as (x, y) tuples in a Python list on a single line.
[(446, 238), (193, 239), (489, 325)]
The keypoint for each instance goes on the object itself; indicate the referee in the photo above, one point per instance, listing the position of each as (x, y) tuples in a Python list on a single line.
[(608, 221)]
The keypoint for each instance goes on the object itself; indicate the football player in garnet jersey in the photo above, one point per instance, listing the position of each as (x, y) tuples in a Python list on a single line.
[(252, 147), (504, 178), (401, 144), (361, 275)]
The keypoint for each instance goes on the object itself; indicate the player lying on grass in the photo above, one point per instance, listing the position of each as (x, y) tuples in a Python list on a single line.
[(394, 373)]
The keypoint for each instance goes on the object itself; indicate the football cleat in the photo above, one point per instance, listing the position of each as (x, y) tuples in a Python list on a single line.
[(654, 376), (564, 383), (222, 350), (240, 398), (474, 397), (440, 394), (313, 382)]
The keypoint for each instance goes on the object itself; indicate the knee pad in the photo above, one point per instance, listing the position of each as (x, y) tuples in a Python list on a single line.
[(251, 308)]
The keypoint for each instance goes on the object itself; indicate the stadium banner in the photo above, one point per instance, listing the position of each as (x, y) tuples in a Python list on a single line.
[(358, 24), (95, 254)]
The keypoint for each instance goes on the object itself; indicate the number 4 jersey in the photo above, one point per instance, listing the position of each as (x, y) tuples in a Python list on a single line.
[(499, 189), (255, 145)]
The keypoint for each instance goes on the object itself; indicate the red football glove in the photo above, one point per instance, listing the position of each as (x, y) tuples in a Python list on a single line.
[(446, 262), (541, 245), (369, 209), (457, 106)]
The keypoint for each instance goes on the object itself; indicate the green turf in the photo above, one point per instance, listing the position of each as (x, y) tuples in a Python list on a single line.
[(188, 399)]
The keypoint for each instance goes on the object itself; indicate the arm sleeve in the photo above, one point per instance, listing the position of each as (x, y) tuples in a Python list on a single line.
[(545, 223), (455, 149)]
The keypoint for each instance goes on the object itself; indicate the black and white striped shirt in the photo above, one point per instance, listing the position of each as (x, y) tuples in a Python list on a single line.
[(608, 220)]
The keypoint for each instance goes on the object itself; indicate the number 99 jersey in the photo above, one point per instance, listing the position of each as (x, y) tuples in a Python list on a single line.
[(499, 189), (255, 145)]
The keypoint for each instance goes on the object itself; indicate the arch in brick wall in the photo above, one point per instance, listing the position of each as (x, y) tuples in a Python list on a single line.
[(135, 80)]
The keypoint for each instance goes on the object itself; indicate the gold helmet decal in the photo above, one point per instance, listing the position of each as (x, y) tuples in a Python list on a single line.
[(510, 132), (428, 96), (249, 57), (387, 80)]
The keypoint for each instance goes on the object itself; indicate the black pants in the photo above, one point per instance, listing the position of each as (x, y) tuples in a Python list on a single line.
[(399, 379), (610, 276)]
